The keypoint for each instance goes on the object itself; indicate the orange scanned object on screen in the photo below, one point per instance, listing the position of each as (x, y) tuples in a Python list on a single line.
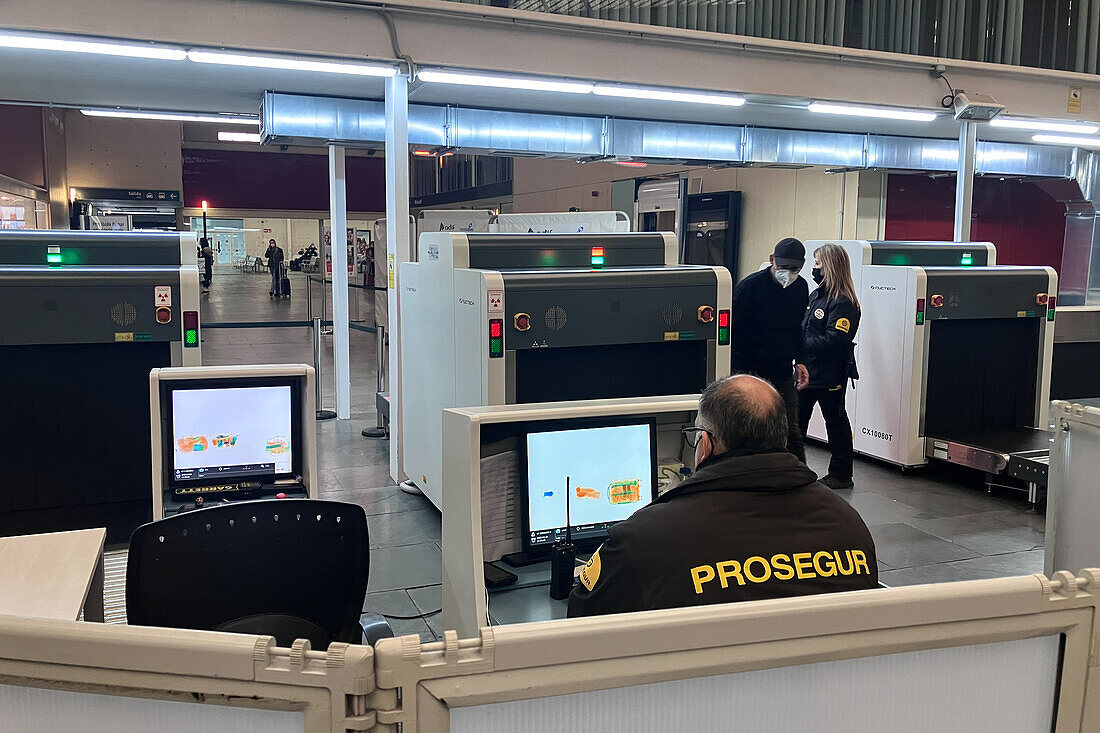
[(583, 492), (192, 443)]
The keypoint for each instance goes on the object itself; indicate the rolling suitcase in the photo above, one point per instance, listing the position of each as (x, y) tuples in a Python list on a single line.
[(284, 282)]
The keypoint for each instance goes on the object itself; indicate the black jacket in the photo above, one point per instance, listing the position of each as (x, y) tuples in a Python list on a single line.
[(744, 527), (828, 333), (274, 257), (766, 325)]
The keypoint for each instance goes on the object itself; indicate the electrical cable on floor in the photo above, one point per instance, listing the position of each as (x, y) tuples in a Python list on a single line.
[(426, 614)]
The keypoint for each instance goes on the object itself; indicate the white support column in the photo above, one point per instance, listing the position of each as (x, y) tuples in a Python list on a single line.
[(397, 246), (964, 182), (338, 218)]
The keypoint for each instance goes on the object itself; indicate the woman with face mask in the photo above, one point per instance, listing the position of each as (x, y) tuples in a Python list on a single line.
[(827, 357)]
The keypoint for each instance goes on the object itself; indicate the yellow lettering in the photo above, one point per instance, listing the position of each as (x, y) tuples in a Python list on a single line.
[(763, 563), (840, 563), (728, 569), (782, 565), (802, 565), (830, 568), (700, 575), (860, 561)]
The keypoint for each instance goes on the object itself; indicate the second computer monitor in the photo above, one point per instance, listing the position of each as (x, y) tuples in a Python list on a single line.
[(611, 471)]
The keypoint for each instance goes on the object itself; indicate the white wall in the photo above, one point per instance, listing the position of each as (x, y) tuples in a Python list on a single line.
[(775, 203), (292, 234)]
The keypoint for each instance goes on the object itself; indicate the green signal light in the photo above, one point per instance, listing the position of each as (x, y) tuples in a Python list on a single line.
[(723, 336), (597, 261), (920, 319), (496, 348), (967, 259), (53, 259), (190, 337)]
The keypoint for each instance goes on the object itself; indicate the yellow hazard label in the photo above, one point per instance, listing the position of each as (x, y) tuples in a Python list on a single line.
[(1021, 314), (590, 573), (392, 271), (672, 335), (124, 335), (843, 325)]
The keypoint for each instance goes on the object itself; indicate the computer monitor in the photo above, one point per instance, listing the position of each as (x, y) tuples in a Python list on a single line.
[(230, 430), (611, 469)]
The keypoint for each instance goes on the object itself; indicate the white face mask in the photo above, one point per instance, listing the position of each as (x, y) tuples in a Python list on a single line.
[(784, 277)]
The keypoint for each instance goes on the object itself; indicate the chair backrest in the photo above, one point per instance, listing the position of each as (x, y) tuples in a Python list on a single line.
[(231, 566)]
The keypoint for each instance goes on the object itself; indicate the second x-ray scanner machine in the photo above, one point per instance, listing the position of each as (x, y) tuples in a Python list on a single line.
[(494, 319), (954, 357)]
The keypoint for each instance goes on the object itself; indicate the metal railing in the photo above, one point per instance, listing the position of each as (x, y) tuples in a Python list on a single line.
[(1052, 34)]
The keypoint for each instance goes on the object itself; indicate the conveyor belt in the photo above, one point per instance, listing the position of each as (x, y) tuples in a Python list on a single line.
[(1022, 453)]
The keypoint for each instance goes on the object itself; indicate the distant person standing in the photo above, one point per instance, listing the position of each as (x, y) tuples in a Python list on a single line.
[(766, 328), (274, 257), (207, 255), (828, 356)]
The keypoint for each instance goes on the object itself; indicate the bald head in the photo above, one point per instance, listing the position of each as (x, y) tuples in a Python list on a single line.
[(744, 412)]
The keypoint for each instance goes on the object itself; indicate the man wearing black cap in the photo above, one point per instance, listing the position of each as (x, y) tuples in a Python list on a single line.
[(766, 328)]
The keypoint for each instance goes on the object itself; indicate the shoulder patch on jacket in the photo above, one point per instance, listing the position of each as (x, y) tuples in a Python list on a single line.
[(590, 573), (843, 325)]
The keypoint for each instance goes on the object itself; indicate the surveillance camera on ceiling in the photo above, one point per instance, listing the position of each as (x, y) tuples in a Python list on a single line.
[(979, 107)]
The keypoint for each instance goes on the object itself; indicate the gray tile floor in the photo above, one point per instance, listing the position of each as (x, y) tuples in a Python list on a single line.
[(935, 525)]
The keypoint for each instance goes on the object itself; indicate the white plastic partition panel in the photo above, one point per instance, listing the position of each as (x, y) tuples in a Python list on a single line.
[(38, 709), (1005, 687)]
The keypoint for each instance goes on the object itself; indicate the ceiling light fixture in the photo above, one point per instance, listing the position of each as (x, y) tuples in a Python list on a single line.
[(238, 137), (883, 113), (441, 76), (1023, 123), (287, 63), (668, 95), (172, 116), (1084, 142), (53, 43)]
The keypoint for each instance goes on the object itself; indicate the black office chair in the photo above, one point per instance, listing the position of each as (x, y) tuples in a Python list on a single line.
[(289, 568)]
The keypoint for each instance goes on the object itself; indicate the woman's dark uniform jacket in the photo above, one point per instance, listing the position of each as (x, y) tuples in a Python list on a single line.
[(744, 527), (828, 331)]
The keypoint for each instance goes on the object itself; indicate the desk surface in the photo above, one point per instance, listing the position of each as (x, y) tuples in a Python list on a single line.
[(528, 599), (48, 575)]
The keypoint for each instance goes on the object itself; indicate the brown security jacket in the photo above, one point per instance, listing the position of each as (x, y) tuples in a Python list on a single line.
[(744, 527)]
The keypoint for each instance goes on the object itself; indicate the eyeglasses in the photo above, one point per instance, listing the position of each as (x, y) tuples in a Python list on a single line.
[(694, 434)]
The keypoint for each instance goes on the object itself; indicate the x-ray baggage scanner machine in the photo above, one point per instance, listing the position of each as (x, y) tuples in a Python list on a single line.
[(86, 316), (494, 319), (954, 357)]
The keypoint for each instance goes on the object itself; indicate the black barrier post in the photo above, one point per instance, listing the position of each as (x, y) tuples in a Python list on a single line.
[(381, 430), (321, 414)]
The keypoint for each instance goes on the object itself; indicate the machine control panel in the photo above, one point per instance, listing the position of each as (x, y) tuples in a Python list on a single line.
[(987, 292), (564, 251), (64, 306), (559, 309)]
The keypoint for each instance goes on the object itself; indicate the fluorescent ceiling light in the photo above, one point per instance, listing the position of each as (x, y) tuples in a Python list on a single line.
[(668, 95), (1084, 142), (171, 116), (504, 82), (53, 43), (884, 113), (1023, 123), (238, 137), (290, 64)]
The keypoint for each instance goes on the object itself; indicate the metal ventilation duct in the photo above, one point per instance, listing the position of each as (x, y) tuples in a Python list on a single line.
[(299, 119)]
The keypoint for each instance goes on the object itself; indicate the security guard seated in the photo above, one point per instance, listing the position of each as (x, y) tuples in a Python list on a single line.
[(753, 522)]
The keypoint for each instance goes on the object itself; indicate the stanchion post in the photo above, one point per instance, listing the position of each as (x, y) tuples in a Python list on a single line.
[(318, 391), (380, 430)]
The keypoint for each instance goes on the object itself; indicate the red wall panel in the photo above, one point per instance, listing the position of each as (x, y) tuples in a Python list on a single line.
[(237, 179), (1026, 224)]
